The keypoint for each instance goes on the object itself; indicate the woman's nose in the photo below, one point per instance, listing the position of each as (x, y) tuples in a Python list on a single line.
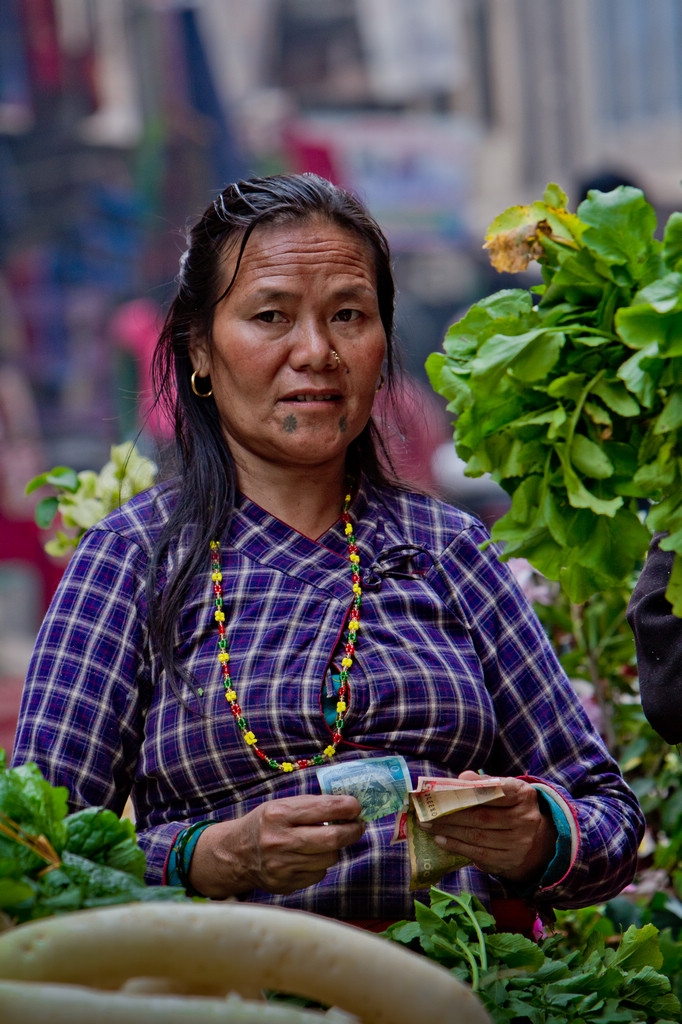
[(311, 345)]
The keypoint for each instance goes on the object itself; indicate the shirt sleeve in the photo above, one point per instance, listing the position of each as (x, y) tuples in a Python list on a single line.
[(658, 641), (543, 733), (82, 712)]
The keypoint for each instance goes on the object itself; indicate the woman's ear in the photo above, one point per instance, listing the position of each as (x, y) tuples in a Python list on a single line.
[(199, 357)]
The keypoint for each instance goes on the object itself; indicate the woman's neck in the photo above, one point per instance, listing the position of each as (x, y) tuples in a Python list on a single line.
[(308, 501)]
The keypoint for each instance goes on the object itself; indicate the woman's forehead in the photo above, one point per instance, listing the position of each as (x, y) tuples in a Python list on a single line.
[(316, 245)]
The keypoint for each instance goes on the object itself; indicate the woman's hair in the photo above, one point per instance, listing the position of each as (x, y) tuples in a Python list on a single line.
[(206, 487)]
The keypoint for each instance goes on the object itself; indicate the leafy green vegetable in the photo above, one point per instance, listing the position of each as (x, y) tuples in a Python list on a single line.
[(84, 498), (519, 980), (52, 862), (573, 404)]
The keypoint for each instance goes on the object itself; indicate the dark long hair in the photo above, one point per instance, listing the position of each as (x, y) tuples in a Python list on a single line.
[(206, 486)]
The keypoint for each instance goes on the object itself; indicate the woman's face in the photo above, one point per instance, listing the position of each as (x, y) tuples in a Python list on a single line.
[(302, 291)]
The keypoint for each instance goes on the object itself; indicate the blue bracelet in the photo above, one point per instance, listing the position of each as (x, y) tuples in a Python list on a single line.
[(177, 872)]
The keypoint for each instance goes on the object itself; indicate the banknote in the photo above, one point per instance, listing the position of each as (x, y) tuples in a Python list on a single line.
[(428, 862), (434, 797), (378, 783)]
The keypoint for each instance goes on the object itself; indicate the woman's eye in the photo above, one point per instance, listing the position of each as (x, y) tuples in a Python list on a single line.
[(270, 316), (347, 315)]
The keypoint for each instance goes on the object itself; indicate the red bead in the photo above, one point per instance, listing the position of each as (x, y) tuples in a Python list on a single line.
[(337, 737), (236, 710), (303, 763)]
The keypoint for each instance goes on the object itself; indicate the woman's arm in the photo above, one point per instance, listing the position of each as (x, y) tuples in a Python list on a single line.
[(81, 718), (658, 641), (281, 846), (544, 735)]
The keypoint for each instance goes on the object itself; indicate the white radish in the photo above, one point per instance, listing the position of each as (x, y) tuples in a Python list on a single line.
[(27, 1002), (211, 949)]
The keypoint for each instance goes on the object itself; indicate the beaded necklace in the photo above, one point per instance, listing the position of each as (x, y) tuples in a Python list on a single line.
[(346, 662)]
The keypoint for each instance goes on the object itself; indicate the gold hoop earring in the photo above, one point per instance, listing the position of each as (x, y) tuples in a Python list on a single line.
[(382, 381), (199, 394)]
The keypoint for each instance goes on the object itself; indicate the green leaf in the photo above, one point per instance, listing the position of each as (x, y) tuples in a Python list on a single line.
[(672, 242), (639, 948), (45, 512), (538, 358), (614, 395), (570, 386), (515, 951), (404, 932), (636, 374), (671, 417), (101, 836), (621, 226), (502, 351), (581, 583), (578, 494), (35, 483), (656, 318), (590, 458), (61, 545), (14, 892), (674, 588), (554, 195), (63, 477)]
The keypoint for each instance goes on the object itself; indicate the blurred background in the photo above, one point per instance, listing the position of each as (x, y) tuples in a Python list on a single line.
[(121, 119)]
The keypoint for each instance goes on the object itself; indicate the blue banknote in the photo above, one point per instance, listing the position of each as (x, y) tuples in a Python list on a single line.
[(378, 783)]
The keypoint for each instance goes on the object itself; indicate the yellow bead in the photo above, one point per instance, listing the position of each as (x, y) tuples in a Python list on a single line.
[(341, 706), (346, 662), (219, 616), (355, 558), (287, 766), (223, 656), (231, 694), (216, 577), (250, 738), (214, 545), (330, 751), (349, 528)]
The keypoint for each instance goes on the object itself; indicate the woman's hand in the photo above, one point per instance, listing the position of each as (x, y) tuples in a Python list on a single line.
[(281, 846), (509, 836)]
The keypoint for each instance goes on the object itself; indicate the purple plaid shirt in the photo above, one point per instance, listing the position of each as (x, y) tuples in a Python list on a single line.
[(452, 670)]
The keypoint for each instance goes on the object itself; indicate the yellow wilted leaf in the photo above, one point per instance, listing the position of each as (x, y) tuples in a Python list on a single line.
[(511, 251)]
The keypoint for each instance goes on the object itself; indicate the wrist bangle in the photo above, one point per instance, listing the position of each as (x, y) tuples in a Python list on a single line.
[(183, 848)]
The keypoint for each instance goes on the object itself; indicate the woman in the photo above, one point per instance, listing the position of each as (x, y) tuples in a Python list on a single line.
[(282, 604)]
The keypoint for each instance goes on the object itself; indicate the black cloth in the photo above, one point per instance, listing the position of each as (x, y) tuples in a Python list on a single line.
[(658, 641)]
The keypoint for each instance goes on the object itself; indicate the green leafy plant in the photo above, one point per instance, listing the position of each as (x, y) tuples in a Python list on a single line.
[(596, 981), (573, 402), (52, 862), (82, 499)]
